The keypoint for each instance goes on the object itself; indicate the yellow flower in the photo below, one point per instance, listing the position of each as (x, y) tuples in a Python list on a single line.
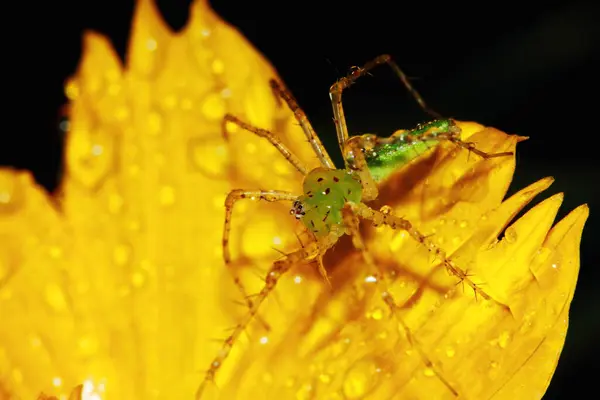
[(118, 285)]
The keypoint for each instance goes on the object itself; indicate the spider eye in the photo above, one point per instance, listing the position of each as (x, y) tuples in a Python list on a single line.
[(297, 209)]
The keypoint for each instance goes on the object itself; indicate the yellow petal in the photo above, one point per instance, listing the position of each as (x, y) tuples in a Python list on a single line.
[(116, 287)]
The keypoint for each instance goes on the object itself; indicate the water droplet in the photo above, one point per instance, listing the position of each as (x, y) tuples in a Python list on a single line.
[(122, 255), (169, 102), (155, 123), (218, 66), (494, 364), (55, 252), (267, 378), (17, 376), (360, 379), (442, 221), (11, 193), (166, 196), (340, 347), (89, 157), (209, 156), (115, 203), (213, 107), (377, 314), (35, 341), (88, 345), (56, 381), (281, 168), (510, 235), (463, 224), (450, 351), (429, 372), (71, 89), (305, 392), (504, 339), (151, 44), (226, 93), (138, 278), (55, 297), (325, 378), (264, 340)]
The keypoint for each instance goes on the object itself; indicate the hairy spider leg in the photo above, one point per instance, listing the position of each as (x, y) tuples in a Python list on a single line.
[(274, 140), (279, 268), (454, 137), (351, 221), (352, 149), (230, 200), (282, 93), (335, 93), (236, 195), (385, 217)]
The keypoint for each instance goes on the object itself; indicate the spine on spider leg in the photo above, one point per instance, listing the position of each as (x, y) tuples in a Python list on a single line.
[(386, 218), (278, 269)]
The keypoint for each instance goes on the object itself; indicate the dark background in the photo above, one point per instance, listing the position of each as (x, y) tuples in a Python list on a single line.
[(529, 70)]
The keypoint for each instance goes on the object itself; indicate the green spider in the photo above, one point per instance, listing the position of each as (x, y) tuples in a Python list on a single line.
[(334, 200)]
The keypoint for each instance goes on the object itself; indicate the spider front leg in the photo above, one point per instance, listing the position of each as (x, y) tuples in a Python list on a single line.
[(271, 138), (306, 254), (232, 198), (378, 218), (335, 93), (282, 93)]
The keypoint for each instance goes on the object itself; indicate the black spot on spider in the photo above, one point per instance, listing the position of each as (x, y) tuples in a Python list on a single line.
[(312, 223), (336, 179), (349, 191), (326, 215), (327, 191), (310, 195), (242, 196), (320, 180)]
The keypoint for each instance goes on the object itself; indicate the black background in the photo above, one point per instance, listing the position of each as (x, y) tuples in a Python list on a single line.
[(525, 69)]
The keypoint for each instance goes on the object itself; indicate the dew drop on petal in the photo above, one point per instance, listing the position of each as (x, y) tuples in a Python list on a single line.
[(377, 314), (504, 339), (121, 254), (55, 297), (155, 123), (167, 196), (510, 235), (218, 66), (360, 379), (208, 156), (9, 191), (213, 107)]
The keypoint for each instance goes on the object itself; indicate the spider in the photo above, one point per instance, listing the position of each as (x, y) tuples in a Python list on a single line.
[(334, 200)]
